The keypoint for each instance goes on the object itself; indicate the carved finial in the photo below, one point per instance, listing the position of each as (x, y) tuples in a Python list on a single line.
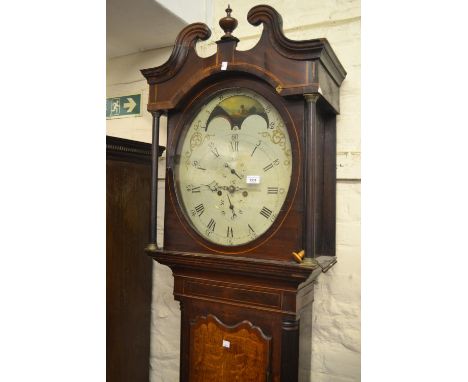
[(298, 256), (228, 24)]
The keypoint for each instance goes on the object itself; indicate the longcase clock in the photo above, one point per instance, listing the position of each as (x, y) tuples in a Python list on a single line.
[(250, 195)]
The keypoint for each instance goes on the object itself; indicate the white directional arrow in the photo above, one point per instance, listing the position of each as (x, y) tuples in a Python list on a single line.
[(130, 105)]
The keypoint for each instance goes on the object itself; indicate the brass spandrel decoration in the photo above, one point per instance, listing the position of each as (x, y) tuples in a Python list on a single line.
[(277, 137), (196, 140)]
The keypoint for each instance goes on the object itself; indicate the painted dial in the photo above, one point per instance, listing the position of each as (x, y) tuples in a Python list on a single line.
[(234, 167)]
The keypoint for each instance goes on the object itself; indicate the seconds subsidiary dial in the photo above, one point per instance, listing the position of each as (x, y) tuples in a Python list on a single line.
[(234, 167)]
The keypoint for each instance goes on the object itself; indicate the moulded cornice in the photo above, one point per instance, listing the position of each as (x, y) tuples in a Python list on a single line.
[(185, 41), (120, 148), (296, 49), (290, 67)]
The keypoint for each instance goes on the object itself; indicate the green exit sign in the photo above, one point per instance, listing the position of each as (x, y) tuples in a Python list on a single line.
[(125, 106)]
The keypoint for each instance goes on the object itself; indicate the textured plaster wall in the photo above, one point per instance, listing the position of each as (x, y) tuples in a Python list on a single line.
[(336, 314)]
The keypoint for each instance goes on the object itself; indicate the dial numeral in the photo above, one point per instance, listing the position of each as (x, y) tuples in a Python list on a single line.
[(196, 164), (252, 232), (266, 212), (230, 232), (266, 168), (211, 225), (193, 189), (198, 125), (200, 209), (235, 142), (214, 150), (272, 190), (270, 166)]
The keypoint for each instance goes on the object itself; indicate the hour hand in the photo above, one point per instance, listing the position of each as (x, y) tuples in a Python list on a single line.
[(232, 170)]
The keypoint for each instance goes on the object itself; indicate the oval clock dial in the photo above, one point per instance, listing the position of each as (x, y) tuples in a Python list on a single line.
[(234, 168)]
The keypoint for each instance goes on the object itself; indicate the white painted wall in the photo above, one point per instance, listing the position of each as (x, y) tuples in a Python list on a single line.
[(336, 316), (193, 11), (123, 77)]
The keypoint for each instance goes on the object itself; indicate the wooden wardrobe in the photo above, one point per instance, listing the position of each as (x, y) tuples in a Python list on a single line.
[(128, 268)]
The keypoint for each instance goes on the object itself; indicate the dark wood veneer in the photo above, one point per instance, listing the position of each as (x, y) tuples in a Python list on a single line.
[(128, 270), (257, 283), (278, 239)]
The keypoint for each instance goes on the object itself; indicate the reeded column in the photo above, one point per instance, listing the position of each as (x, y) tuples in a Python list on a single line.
[(154, 179), (310, 156)]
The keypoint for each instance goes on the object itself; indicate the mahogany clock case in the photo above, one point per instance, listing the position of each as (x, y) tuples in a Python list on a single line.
[(301, 79), (256, 287), (179, 235)]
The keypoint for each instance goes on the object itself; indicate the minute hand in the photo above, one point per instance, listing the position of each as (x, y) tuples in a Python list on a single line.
[(231, 207)]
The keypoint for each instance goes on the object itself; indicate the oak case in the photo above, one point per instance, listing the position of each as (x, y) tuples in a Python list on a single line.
[(254, 293)]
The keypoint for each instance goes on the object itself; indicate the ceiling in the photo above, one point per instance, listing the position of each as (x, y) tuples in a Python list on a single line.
[(138, 25)]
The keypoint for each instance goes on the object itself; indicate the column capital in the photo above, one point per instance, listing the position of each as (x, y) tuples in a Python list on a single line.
[(312, 97), (157, 113)]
